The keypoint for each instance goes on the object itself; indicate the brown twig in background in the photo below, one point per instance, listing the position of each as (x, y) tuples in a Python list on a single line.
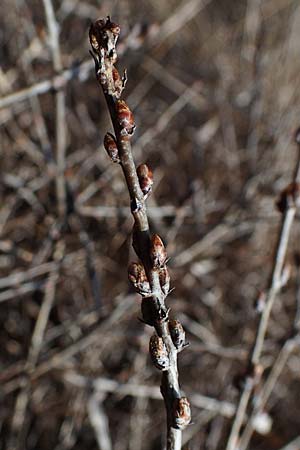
[(60, 110), (149, 276), (287, 204), (289, 346)]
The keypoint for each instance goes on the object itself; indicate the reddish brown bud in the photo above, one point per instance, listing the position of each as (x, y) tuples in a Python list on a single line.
[(164, 280), (158, 254), (93, 35), (113, 27), (125, 118), (98, 36), (181, 413), (110, 146), (158, 353), (145, 177), (138, 277), (177, 334), (289, 197)]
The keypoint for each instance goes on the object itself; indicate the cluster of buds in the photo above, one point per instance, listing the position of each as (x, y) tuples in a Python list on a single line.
[(181, 413), (158, 353), (103, 38)]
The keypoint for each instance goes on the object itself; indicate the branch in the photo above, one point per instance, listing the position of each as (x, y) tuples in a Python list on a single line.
[(287, 204), (60, 111), (150, 275)]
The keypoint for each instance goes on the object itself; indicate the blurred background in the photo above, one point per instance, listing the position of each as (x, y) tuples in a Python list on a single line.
[(214, 87)]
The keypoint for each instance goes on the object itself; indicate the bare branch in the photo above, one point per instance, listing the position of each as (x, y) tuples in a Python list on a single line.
[(287, 204), (150, 277), (60, 109)]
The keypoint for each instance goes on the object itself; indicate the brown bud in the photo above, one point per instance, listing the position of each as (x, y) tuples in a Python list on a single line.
[(152, 312), (93, 38), (158, 353), (158, 254), (138, 277), (177, 334), (110, 146), (164, 280), (113, 27), (103, 34), (145, 177), (125, 118), (97, 35), (289, 197), (149, 312), (181, 413)]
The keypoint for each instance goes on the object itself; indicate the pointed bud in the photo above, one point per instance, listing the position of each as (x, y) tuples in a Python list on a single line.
[(158, 254), (158, 353), (138, 277), (103, 34), (145, 177), (93, 35), (181, 413), (110, 146), (164, 280), (289, 197), (98, 36), (125, 118), (177, 334)]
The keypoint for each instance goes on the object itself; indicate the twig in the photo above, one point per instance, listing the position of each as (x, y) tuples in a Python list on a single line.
[(182, 15), (60, 110), (99, 421), (293, 445), (266, 390), (223, 408), (165, 118), (80, 72), (19, 418), (150, 277), (288, 202)]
